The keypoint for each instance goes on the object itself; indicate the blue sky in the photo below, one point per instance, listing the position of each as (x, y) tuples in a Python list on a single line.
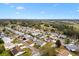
[(39, 11)]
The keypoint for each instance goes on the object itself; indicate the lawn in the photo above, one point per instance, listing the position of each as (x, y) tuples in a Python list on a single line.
[(48, 44), (76, 26), (74, 53), (6, 53), (27, 52), (47, 50), (16, 41)]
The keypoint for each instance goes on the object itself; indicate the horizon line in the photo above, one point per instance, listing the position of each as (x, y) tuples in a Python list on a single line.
[(40, 19)]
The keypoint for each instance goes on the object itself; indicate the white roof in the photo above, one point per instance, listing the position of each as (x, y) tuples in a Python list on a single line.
[(6, 39), (71, 47), (43, 44), (9, 45), (19, 53), (20, 44), (23, 47)]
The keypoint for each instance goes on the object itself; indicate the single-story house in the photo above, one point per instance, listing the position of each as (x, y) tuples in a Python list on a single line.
[(71, 47), (39, 42), (15, 50), (62, 36), (48, 39)]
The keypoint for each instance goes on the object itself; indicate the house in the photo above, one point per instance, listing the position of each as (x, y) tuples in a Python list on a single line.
[(28, 36), (43, 44), (55, 34), (71, 47), (39, 42), (6, 39), (16, 50), (48, 39), (62, 36), (29, 42), (1, 35), (54, 41), (35, 33), (8, 45), (40, 35)]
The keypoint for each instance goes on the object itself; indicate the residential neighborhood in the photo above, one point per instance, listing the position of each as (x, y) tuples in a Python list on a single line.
[(30, 41)]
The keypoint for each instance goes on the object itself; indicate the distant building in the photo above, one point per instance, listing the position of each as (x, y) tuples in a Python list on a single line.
[(39, 42), (28, 36), (71, 47), (62, 36), (48, 39)]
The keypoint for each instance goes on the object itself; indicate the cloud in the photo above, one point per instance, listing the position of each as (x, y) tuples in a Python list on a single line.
[(20, 8)]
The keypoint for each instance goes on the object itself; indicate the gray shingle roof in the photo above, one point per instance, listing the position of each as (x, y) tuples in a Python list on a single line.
[(71, 47)]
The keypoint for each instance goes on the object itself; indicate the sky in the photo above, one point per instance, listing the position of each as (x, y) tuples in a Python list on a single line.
[(39, 11)]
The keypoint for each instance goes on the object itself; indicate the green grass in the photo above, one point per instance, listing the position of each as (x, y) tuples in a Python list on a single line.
[(16, 41), (47, 50), (6, 53), (1, 41), (73, 53), (27, 52), (76, 26)]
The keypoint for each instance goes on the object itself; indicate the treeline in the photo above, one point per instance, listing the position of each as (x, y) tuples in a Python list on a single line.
[(67, 30)]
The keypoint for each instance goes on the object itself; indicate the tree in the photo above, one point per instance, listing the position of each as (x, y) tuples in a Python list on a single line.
[(27, 52), (13, 26), (36, 45), (1, 41), (58, 43), (4, 30), (52, 52), (47, 50), (6, 53), (1, 48), (67, 41)]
